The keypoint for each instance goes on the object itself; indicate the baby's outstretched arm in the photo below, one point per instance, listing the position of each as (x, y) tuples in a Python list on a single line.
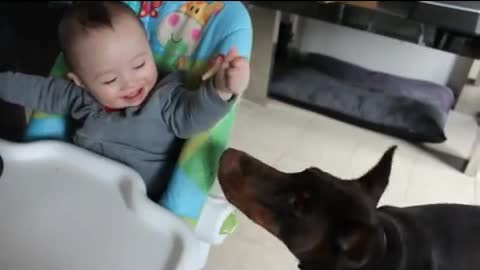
[(189, 112), (48, 94)]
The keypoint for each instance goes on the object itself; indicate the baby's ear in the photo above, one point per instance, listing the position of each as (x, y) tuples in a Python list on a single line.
[(72, 76)]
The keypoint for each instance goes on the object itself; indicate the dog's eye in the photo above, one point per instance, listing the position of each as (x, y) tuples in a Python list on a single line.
[(292, 200), (305, 195), (299, 200)]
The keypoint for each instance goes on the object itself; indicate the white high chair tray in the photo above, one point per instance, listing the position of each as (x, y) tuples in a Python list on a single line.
[(62, 207)]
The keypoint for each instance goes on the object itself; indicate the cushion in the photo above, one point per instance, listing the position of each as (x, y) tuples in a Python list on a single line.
[(412, 109)]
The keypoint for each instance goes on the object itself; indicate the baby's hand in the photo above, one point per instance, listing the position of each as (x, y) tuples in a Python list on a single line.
[(232, 75)]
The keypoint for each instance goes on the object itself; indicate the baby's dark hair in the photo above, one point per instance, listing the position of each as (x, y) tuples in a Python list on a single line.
[(84, 16)]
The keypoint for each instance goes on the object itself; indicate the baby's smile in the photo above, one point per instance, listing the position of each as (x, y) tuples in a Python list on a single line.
[(135, 96)]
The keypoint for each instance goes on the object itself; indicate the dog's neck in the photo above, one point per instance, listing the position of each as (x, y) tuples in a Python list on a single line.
[(388, 249)]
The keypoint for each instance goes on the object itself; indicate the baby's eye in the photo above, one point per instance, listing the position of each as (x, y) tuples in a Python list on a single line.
[(110, 81), (140, 66)]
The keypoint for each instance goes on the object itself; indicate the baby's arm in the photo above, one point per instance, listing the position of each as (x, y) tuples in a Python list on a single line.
[(191, 112), (48, 94)]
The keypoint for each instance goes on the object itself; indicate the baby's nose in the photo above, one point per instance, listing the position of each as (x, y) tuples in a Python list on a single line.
[(128, 85)]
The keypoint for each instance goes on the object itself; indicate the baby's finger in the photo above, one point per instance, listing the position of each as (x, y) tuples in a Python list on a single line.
[(232, 79), (232, 73), (234, 51), (221, 79), (225, 65), (232, 54), (239, 62)]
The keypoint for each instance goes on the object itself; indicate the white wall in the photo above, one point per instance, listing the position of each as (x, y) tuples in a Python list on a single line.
[(382, 53)]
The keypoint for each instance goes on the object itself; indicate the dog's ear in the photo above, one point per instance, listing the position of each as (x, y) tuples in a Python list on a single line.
[(376, 180), (355, 245)]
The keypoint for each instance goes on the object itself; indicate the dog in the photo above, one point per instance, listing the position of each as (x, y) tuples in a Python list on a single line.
[(333, 224)]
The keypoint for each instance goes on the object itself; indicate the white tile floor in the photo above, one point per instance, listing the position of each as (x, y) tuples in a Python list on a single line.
[(292, 139)]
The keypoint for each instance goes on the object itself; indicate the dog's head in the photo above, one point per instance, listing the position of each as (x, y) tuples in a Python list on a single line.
[(326, 222)]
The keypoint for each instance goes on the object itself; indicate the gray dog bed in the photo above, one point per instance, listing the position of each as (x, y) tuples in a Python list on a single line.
[(411, 109)]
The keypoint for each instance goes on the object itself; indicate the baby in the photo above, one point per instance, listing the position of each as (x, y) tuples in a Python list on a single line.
[(126, 112)]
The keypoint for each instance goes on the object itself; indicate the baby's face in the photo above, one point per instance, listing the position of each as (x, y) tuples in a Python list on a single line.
[(117, 65)]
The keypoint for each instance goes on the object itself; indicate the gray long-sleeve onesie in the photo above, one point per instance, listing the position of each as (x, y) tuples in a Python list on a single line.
[(140, 137)]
